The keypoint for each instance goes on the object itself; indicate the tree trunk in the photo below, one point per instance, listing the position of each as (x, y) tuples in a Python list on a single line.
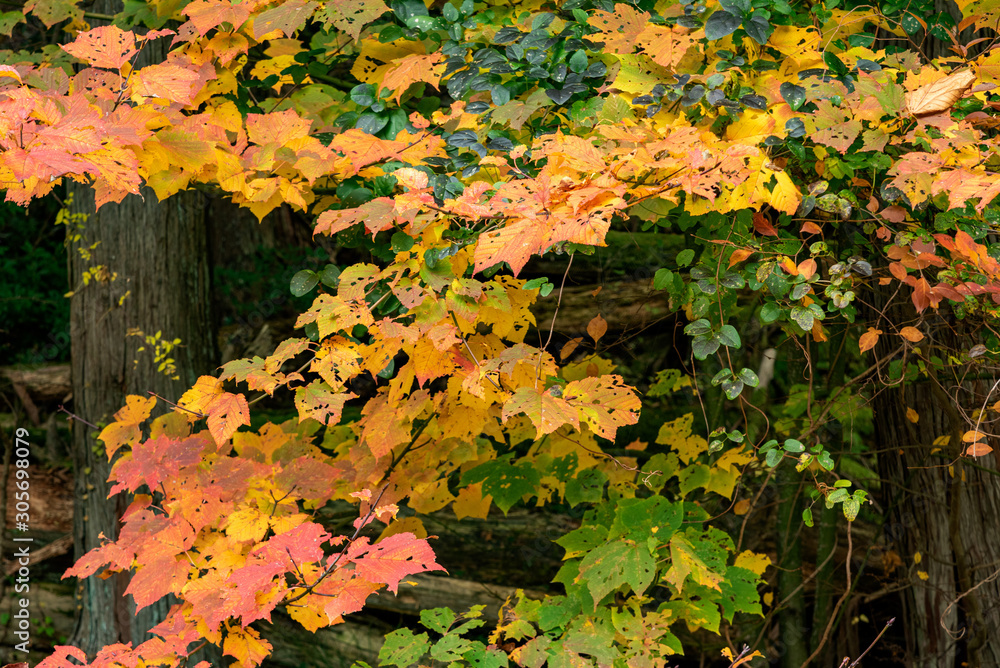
[(157, 255), (791, 616), (942, 509), (155, 278)]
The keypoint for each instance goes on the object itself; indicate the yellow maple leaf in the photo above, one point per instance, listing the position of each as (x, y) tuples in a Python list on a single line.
[(376, 58), (246, 645), (792, 40), (276, 66), (410, 524), (753, 561), (195, 401), (677, 434), (247, 524), (125, 429), (471, 502)]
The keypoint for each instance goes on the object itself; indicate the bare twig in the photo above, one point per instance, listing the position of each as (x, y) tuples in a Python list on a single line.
[(881, 633)]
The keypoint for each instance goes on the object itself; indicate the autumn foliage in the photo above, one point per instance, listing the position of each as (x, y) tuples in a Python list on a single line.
[(470, 139)]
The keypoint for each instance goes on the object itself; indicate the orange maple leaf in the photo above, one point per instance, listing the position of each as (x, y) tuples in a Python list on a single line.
[(108, 46), (412, 69), (226, 414)]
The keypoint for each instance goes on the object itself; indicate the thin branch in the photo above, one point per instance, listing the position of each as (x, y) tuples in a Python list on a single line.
[(308, 589), (165, 400), (74, 416), (562, 285), (472, 354), (885, 628)]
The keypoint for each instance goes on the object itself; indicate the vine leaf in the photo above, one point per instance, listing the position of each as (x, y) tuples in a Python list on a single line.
[(869, 339), (940, 95), (597, 327)]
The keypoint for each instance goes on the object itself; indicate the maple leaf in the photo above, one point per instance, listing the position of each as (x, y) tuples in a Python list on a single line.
[(227, 46), (108, 46), (393, 558), (412, 69), (604, 402), (51, 12), (331, 313), (208, 14), (226, 413), (351, 16), (361, 149), (252, 372), (108, 553), (294, 548), (839, 136), (286, 350), (154, 460), (280, 128), (156, 576), (666, 45), (253, 592), (247, 524), (620, 562), (60, 657), (377, 215), (546, 409), (287, 17), (619, 30), (318, 402), (685, 563), (387, 425), (340, 594), (245, 645), (166, 81), (125, 429), (195, 402), (513, 244)]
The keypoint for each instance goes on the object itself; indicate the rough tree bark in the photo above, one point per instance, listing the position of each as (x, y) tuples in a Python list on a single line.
[(159, 253), (942, 507)]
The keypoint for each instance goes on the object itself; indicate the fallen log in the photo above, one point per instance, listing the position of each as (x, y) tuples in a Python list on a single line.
[(424, 592), (39, 385), (56, 548), (49, 383), (625, 305)]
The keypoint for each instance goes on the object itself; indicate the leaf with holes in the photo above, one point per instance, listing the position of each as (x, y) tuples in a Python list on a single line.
[(227, 413)]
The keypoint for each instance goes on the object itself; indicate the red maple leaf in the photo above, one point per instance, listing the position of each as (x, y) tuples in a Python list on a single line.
[(155, 460), (393, 558)]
